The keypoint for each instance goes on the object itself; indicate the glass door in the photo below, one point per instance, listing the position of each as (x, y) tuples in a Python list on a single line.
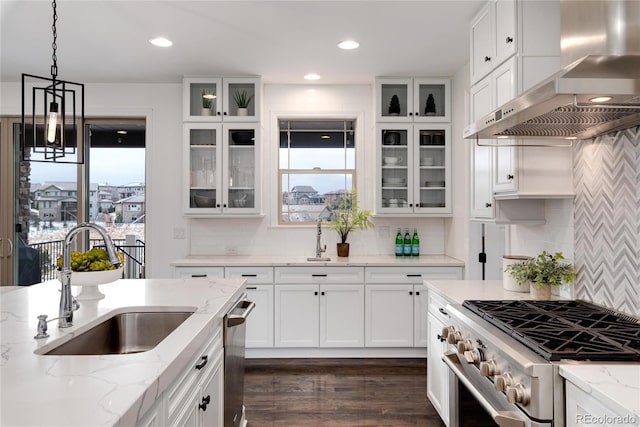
[(395, 160), (240, 157), (432, 167), (203, 169)]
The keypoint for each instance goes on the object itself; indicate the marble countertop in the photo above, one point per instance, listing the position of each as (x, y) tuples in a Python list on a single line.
[(283, 261), (615, 385), (109, 390)]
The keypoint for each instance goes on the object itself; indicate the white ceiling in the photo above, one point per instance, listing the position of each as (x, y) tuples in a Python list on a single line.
[(102, 41)]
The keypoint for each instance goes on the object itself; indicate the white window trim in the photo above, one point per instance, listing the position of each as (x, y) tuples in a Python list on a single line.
[(270, 154)]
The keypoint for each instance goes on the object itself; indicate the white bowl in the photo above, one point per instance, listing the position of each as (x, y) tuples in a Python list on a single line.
[(392, 160), (426, 161), (89, 281)]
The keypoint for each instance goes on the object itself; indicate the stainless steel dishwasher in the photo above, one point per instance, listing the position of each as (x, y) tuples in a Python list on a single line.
[(234, 340)]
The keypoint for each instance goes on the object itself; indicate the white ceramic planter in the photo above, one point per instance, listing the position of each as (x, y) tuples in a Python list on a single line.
[(508, 282)]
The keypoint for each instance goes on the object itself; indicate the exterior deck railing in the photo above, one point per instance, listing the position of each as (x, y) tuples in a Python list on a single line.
[(133, 250)]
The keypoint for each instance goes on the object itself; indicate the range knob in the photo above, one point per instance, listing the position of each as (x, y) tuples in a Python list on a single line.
[(454, 336), (503, 381), (446, 330), (488, 368), (474, 356), (464, 345), (518, 394)]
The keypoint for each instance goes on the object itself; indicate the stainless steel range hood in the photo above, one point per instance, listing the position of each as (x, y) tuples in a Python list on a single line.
[(600, 45)]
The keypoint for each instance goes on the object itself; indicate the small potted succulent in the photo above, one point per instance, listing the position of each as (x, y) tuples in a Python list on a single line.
[(242, 102), (345, 218), (542, 272), (207, 103)]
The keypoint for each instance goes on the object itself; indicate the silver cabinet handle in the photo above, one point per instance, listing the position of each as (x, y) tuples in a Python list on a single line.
[(10, 247), (239, 319)]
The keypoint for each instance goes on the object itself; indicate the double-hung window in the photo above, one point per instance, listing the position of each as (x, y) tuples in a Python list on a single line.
[(316, 168)]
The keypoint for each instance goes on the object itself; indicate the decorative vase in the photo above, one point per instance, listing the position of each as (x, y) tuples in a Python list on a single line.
[(205, 112), (508, 282), (243, 111), (540, 292), (343, 249)]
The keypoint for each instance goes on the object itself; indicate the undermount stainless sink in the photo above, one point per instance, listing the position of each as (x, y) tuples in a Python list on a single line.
[(318, 259), (123, 333)]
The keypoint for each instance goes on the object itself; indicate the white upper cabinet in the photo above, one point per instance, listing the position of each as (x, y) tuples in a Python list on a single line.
[(505, 21), (412, 100), (216, 99), (481, 186)]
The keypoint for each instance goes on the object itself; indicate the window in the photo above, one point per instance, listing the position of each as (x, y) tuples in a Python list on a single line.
[(316, 167)]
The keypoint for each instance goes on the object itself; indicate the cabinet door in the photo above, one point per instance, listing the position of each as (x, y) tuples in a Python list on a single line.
[(481, 193), (201, 99), (240, 169), (420, 309), (482, 41), (394, 100), (506, 43), (202, 168), (190, 414), (389, 315), (431, 169), (395, 163), (431, 100), (211, 404), (259, 332), (241, 101), (342, 315), (296, 315), (197, 272), (437, 375), (504, 166)]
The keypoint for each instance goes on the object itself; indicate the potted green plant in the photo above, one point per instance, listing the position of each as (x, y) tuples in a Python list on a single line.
[(394, 106), (242, 100), (345, 218), (207, 103), (542, 272)]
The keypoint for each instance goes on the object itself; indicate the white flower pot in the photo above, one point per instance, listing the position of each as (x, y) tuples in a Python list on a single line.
[(205, 112), (508, 282), (243, 111)]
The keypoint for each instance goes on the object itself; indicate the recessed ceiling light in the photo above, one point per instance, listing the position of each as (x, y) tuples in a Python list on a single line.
[(312, 76), (600, 99), (348, 44), (121, 132), (161, 42)]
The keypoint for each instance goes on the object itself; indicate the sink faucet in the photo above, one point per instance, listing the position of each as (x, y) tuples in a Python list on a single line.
[(319, 248), (66, 299)]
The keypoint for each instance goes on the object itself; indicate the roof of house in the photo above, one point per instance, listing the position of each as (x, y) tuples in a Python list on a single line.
[(303, 189), (133, 199)]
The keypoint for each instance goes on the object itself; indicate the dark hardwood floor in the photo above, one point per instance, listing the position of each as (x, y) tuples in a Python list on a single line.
[(338, 392)]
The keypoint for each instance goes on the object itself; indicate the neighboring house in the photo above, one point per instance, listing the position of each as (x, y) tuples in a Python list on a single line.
[(128, 190), (130, 209), (303, 195), (55, 201), (333, 198)]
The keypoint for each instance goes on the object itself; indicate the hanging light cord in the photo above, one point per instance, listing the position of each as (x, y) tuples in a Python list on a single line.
[(54, 45)]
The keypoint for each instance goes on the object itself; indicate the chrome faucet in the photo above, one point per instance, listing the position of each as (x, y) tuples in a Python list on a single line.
[(67, 303), (319, 248)]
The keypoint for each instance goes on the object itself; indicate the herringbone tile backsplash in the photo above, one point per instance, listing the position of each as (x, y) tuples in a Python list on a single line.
[(607, 220)]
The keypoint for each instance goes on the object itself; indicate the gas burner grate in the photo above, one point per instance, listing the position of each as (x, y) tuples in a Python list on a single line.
[(557, 330)]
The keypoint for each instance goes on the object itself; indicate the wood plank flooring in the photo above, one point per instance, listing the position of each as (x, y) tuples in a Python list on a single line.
[(338, 392)]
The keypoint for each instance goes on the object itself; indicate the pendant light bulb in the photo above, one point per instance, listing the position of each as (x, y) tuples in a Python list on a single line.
[(52, 122)]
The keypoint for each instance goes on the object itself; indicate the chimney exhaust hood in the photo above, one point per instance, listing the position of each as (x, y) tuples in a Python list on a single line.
[(600, 53)]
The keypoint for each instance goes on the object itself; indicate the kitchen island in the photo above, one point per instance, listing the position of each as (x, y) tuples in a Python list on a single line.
[(107, 390)]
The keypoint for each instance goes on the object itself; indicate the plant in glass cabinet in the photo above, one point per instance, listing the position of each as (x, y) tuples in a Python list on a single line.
[(242, 99), (394, 106), (207, 99), (346, 217), (543, 270)]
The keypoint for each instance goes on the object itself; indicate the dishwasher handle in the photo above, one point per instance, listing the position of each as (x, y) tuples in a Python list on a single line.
[(239, 319)]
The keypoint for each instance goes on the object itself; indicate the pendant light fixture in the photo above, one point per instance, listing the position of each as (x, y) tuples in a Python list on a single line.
[(52, 131)]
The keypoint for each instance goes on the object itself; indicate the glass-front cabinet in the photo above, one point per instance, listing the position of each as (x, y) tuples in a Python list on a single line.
[(221, 99), (414, 163), (221, 168), (412, 100)]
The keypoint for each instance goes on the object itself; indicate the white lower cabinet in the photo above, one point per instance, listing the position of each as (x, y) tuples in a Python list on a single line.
[(437, 371), (197, 272), (325, 315), (582, 408)]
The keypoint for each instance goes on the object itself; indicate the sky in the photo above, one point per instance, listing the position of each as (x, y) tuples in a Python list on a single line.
[(116, 166)]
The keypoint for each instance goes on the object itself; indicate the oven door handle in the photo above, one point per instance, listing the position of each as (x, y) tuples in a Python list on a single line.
[(502, 418)]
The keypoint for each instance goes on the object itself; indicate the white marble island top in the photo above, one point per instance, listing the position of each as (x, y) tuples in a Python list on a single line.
[(108, 390), (301, 261)]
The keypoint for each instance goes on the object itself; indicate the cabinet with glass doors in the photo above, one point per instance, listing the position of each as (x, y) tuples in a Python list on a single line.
[(221, 168), (221, 99), (414, 164)]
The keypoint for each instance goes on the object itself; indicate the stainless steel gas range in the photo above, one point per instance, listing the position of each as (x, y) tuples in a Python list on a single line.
[(504, 357)]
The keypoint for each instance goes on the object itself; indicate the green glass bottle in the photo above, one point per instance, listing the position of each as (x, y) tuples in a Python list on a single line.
[(399, 243), (407, 243), (415, 243)]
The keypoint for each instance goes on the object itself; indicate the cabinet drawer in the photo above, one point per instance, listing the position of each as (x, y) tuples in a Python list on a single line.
[(197, 272), (319, 275), (255, 275), (410, 274), (437, 307), (179, 392)]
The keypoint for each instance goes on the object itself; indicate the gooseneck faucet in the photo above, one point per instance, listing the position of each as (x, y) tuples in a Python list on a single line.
[(319, 248), (66, 299)]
